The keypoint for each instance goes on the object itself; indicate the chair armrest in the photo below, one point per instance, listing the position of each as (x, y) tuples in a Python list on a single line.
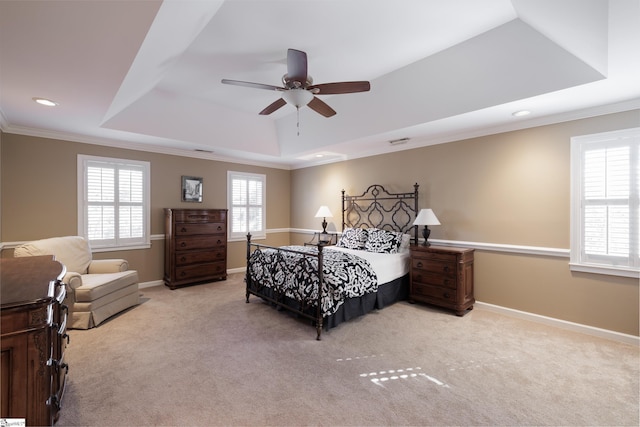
[(72, 279), (100, 266)]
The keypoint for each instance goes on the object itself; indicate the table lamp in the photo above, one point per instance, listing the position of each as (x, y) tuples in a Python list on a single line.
[(324, 213), (426, 217)]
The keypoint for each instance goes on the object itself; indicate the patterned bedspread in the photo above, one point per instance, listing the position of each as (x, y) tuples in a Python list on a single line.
[(295, 275)]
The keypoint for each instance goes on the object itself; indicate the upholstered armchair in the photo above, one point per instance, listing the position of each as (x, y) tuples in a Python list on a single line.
[(96, 289)]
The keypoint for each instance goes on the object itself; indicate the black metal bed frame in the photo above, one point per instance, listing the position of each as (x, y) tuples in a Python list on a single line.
[(384, 210), (376, 207)]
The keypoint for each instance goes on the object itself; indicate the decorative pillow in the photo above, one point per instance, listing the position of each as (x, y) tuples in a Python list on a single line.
[(383, 241), (353, 238)]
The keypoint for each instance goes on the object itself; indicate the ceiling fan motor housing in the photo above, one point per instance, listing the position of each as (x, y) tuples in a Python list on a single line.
[(294, 84)]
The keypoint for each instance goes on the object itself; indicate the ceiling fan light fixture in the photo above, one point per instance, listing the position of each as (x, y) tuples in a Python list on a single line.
[(297, 97)]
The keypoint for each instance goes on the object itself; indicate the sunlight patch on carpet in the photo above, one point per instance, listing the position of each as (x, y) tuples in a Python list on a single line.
[(349, 359), (382, 377)]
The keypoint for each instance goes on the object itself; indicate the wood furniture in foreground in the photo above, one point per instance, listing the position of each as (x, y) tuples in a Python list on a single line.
[(195, 246), (442, 276), (33, 339)]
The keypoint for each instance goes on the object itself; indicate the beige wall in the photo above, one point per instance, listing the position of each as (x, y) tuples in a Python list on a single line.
[(510, 189), (39, 191)]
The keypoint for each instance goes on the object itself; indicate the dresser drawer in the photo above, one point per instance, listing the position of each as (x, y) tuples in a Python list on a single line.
[(426, 291), (433, 279), (199, 216), (201, 271), (186, 258), (204, 242), (445, 267), (188, 229)]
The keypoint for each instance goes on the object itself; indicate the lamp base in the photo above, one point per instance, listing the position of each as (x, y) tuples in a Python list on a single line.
[(425, 234)]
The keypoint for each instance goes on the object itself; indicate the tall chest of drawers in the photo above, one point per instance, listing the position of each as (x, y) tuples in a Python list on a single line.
[(442, 276), (195, 246), (33, 339)]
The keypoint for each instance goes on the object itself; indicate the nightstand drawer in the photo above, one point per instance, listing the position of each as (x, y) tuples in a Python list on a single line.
[(447, 268), (444, 294), (424, 278)]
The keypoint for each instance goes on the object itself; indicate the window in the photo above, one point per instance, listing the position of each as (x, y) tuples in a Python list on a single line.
[(113, 202), (605, 203), (246, 203)]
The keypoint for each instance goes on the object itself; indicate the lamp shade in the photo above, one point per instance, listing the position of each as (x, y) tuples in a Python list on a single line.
[(426, 217), (324, 212)]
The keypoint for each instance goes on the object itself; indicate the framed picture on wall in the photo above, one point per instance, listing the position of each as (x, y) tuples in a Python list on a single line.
[(191, 189)]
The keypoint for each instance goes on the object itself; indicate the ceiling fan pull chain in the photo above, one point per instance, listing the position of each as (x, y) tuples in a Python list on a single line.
[(298, 117)]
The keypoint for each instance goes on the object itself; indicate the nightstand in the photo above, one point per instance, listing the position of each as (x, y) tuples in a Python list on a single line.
[(324, 239), (442, 276)]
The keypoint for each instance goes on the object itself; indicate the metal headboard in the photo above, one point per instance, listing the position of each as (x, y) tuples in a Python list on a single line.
[(377, 208)]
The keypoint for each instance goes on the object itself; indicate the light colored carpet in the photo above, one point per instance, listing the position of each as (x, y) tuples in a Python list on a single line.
[(201, 356)]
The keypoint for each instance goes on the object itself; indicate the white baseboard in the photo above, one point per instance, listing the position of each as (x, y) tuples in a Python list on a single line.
[(150, 284), (576, 327)]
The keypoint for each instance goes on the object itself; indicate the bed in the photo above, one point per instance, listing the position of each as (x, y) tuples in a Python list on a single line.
[(366, 270)]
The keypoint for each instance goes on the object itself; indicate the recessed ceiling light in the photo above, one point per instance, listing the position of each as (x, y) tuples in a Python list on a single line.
[(319, 155), (521, 113), (45, 101)]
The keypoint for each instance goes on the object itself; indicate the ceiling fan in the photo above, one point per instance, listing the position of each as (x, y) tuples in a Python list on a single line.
[(299, 89)]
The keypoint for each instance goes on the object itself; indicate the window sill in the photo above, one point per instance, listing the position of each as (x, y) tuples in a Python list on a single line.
[(611, 271), (119, 248)]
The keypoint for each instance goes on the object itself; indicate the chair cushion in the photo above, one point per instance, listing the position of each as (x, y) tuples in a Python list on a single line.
[(96, 286), (73, 251)]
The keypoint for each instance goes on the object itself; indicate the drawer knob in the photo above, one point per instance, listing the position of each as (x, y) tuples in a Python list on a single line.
[(183, 230), (183, 259), (445, 268), (219, 228), (419, 264), (219, 242), (447, 295), (183, 244)]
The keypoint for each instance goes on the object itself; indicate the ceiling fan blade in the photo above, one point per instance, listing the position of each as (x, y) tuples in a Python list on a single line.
[(321, 107), (297, 66), (252, 85), (340, 87), (280, 102)]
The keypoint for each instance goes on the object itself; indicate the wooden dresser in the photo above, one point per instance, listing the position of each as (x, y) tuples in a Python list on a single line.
[(442, 276), (195, 246), (33, 339)]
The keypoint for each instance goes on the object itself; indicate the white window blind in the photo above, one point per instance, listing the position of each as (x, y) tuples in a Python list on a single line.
[(113, 205), (605, 223), (246, 204)]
